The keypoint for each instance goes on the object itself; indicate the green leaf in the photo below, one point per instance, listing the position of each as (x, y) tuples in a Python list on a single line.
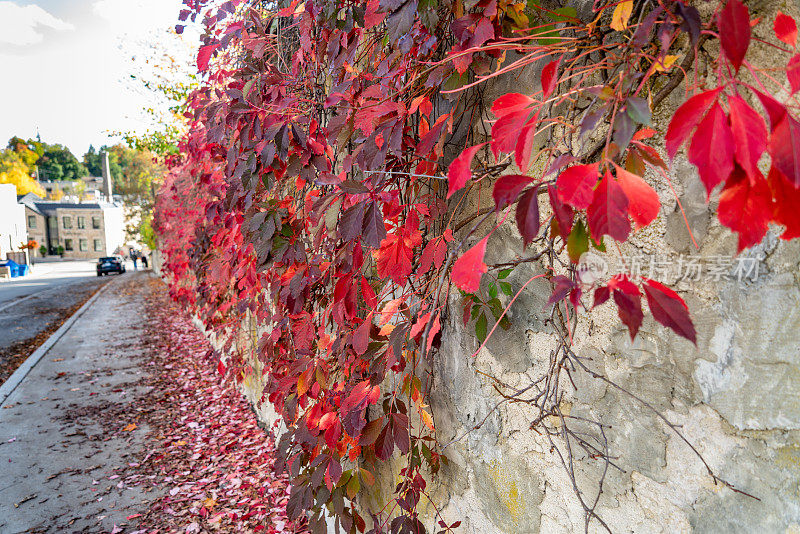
[(480, 328), (492, 289), (548, 34), (601, 246), (505, 287), (456, 81), (639, 110), (353, 485), (502, 275), (577, 242)]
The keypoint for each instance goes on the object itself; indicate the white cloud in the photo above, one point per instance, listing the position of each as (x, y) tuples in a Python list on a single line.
[(21, 25), (137, 16)]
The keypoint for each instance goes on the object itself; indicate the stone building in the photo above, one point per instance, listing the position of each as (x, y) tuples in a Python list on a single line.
[(12, 221), (84, 230)]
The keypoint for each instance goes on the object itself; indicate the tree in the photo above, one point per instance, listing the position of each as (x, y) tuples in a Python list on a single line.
[(13, 170), (58, 163)]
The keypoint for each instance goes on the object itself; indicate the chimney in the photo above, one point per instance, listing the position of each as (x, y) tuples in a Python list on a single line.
[(107, 190)]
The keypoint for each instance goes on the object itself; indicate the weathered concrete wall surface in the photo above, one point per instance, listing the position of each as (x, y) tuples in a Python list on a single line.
[(735, 396)]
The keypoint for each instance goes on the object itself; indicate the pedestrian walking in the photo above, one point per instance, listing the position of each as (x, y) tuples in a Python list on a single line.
[(144, 261)]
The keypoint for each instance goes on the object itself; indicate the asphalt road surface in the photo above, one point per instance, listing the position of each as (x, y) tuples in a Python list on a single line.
[(34, 306)]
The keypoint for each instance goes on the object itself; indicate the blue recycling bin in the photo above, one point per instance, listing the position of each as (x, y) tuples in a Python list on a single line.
[(14, 269)]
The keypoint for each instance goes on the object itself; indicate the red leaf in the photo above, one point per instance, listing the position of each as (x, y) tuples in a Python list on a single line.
[(468, 268), (784, 147), (643, 202), (550, 77), (669, 309), (601, 295), (745, 207), (793, 73), (368, 294), (785, 29), (750, 133), (361, 336), (786, 200), (775, 110), (686, 118), (527, 216), (507, 188), (427, 142), (204, 56), (459, 173), (522, 152), (711, 149), (510, 103), (734, 31), (575, 185), (505, 132), (561, 211), (629, 309), (607, 215)]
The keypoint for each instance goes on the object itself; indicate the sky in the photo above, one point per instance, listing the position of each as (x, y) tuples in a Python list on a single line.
[(65, 67)]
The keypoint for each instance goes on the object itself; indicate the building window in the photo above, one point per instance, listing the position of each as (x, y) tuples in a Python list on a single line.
[(81, 222), (31, 221), (68, 244), (98, 245), (96, 223), (83, 245), (67, 220)]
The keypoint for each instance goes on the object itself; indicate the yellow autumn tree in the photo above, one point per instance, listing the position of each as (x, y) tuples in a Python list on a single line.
[(13, 170)]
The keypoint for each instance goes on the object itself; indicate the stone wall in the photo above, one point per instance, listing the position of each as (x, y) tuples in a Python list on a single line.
[(735, 396)]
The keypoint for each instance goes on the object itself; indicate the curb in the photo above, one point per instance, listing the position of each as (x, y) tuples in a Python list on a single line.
[(22, 371)]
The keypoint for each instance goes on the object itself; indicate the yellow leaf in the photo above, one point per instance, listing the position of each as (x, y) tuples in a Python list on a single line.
[(665, 64), (386, 330), (130, 428), (619, 19), (210, 503), (426, 418)]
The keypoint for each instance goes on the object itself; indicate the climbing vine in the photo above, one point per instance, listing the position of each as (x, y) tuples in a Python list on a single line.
[(326, 190)]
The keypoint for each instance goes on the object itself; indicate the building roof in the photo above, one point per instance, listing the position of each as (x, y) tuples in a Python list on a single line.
[(49, 207)]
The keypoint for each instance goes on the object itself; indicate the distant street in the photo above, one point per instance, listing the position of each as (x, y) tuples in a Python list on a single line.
[(34, 306)]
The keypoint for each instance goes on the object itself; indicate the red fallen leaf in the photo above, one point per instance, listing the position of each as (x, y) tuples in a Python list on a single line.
[(745, 207), (550, 77), (468, 268), (785, 29), (204, 56), (527, 216), (510, 103), (786, 199), (459, 173), (784, 147), (734, 31), (669, 309), (750, 132), (643, 202), (711, 149), (575, 185), (687, 116), (793, 73), (507, 188), (607, 215)]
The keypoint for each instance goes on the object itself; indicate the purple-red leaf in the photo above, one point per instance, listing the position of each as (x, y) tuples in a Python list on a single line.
[(563, 213), (669, 309), (734, 31), (528, 216), (711, 149), (608, 212), (507, 188), (686, 118), (575, 185), (784, 147), (459, 173)]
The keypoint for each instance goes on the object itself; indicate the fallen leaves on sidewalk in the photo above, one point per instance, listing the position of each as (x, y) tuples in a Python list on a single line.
[(209, 458)]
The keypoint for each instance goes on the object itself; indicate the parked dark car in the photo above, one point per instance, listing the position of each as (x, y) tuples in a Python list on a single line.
[(110, 264)]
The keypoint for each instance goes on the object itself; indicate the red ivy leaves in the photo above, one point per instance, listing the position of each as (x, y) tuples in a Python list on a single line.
[(785, 29), (711, 149), (734, 31), (745, 207), (608, 212), (750, 132), (468, 268), (204, 56), (507, 188), (686, 118), (643, 203), (669, 309), (575, 185), (459, 173), (784, 147), (527, 216)]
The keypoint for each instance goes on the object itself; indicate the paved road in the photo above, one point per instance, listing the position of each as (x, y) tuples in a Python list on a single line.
[(61, 430), (32, 307)]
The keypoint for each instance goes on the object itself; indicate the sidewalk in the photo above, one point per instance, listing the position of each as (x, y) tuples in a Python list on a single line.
[(124, 425), (57, 452)]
